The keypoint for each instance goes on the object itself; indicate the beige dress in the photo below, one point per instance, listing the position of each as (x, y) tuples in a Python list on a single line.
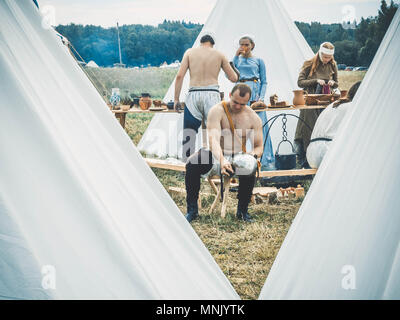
[(328, 71)]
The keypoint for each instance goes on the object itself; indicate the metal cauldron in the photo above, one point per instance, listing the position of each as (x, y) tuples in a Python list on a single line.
[(285, 161)]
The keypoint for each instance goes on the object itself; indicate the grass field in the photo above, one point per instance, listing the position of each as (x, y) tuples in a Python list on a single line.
[(245, 252), (156, 81)]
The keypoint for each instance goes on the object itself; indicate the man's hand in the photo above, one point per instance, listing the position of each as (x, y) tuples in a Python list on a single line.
[(177, 106), (321, 82), (331, 83), (226, 168)]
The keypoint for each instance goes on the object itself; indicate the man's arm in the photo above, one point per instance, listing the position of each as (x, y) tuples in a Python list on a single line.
[(258, 137), (229, 71), (180, 76), (214, 138)]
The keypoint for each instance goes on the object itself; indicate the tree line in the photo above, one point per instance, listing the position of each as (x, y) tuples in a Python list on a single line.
[(143, 45)]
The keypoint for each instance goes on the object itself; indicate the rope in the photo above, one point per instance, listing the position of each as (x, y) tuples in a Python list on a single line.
[(69, 46)]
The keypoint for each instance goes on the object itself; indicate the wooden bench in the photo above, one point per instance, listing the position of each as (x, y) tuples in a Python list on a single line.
[(163, 164)]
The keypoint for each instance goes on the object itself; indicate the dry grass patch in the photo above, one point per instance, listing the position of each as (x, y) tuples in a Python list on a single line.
[(348, 78)]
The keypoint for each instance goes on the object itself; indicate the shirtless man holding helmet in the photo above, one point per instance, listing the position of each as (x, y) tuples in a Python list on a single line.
[(225, 147), (204, 64)]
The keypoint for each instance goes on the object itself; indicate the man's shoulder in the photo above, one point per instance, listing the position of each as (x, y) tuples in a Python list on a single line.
[(215, 114), (189, 51), (253, 116), (218, 108), (249, 111)]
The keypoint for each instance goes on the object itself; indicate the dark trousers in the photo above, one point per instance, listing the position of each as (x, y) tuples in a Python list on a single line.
[(200, 163), (191, 126)]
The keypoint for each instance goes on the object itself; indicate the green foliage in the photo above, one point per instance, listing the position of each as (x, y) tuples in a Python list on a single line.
[(143, 45), (140, 44)]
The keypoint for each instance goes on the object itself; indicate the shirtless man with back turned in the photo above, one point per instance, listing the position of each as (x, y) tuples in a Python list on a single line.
[(223, 147), (204, 64)]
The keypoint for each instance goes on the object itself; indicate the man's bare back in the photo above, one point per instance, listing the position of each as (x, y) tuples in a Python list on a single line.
[(204, 64)]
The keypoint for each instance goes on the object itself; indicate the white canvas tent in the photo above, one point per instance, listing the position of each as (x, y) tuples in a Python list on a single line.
[(278, 42), (81, 214), (92, 64), (345, 242)]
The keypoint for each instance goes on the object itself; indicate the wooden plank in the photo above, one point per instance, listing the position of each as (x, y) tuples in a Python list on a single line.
[(264, 191), (212, 184), (227, 181), (162, 164), (218, 182), (284, 173), (269, 108), (299, 107), (135, 110)]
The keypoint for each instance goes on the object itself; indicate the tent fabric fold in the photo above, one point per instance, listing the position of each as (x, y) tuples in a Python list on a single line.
[(345, 242), (75, 194)]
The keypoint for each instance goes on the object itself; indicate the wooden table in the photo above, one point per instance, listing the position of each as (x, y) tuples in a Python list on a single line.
[(121, 115)]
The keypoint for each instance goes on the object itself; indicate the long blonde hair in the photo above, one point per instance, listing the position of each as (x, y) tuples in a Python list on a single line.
[(315, 62)]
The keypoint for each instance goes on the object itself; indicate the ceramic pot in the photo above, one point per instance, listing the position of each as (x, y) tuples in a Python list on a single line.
[(136, 101), (299, 99), (145, 101), (170, 105)]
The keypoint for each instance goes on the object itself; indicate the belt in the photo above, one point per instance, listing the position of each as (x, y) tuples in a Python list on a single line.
[(195, 90), (320, 139), (255, 79)]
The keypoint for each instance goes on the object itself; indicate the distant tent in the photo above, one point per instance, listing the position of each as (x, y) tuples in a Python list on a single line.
[(278, 42), (345, 241), (92, 64), (81, 213)]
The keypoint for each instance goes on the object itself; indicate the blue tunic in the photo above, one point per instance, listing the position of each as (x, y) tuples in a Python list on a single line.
[(255, 68)]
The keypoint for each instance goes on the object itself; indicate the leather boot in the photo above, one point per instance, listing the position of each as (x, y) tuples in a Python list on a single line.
[(301, 154), (192, 211), (242, 213)]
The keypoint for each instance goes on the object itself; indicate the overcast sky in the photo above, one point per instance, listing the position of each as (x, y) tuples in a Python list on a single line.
[(108, 12)]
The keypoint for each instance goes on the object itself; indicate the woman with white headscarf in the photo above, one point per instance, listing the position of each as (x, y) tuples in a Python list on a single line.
[(252, 72), (318, 75)]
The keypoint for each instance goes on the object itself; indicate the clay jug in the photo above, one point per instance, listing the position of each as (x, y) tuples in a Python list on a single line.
[(343, 93), (145, 101), (299, 99)]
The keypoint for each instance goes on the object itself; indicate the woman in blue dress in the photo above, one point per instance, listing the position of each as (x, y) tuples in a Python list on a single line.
[(252, 72)]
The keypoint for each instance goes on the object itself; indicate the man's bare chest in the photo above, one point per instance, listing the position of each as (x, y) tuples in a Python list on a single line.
[(241, 124)]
